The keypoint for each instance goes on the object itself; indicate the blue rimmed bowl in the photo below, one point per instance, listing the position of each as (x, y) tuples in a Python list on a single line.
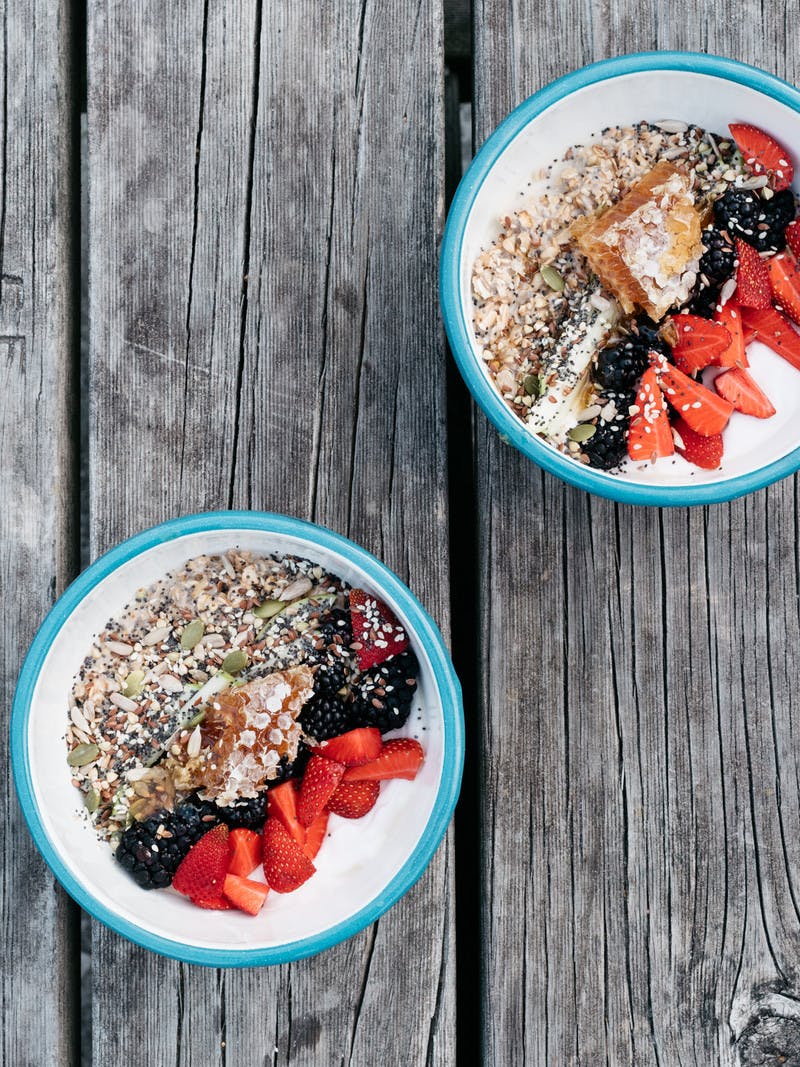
[(364, 867), (706, 90)]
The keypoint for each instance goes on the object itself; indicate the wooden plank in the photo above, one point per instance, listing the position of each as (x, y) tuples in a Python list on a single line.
[(640, 814), (37, 558), (266, 195)]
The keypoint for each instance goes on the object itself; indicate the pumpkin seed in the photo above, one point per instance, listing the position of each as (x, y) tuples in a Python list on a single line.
[(582, 433), (530, 383), (92, 801), (551, 277), (83, 754), (269, 609), (192, 633), (134, 684), (235, 661)]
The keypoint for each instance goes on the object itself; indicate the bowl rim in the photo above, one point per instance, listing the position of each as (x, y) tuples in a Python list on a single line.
[(512, 431), (422, 626)]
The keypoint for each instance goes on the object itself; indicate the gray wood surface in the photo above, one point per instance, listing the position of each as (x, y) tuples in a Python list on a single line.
[(38, 965), (640, 762), (266, 196)]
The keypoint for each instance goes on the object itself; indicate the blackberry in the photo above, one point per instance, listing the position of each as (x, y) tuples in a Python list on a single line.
[(247, 813), (703, 302), (743, 213), (336, 659), (646, 330), (783, 207), (620, 366), (151, 851), (719, 259), (608, 446), (383, 695), (326, 715)]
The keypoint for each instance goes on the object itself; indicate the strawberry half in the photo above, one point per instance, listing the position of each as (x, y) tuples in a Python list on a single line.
[(700, 342), (401, 758), (775, 331), (352, 800), (752, 278), (353, 748), (315, 834), (245, 852), (793, 237), (377, 634), (763, 154), (737, 386), (320, 780), (282, 805), (202, 870), (730, 316), (784, 278), (703, 450), (649, 435), (245, 894), (286, 865), (704, 411)]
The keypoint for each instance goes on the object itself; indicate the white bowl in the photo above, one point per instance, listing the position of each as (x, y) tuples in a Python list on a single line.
[(705, 90), (363, 867)]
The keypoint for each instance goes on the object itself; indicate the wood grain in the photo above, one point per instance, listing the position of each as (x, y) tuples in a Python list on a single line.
[(37, 559), (640, 815), (266, 189)]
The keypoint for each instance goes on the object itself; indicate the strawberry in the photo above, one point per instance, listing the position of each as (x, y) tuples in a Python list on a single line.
[(282, 804), (203, 868), (352, 800), (700, 342), (763, 155), (649, 435), (286, 866), (315, 834), (401, 758), (746, 396), (730, 316), (245, 852), (793, 237), (749, 335), (246, 894), (377, 634), (353, 748), (752, 278), (213, 903), (705, 412), (784, 277), (775, 331), (703, 450), (319, 783)]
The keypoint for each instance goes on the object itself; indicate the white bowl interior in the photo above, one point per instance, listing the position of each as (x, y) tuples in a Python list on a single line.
[(648, 95), (358, 858)]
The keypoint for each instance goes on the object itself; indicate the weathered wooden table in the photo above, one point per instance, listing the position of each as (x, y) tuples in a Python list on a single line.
[(263, 198)]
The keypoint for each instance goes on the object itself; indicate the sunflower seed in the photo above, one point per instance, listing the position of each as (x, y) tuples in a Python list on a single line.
[(299, 587), (156, 635), (123, 703), (119, 648), (672, 126), (194, 742)]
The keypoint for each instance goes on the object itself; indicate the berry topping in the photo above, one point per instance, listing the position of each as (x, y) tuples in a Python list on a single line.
[(793, 238), (286, 865), (649, 436), (151, 851), (752, 278), (763, 155), (247, 812), (377, 634), (326, 716), (244, 847), (699, 342), (730, 316), (738, 387), (202, 872), (383, 696), (775, 331), (620, 366), (719, 257), (319, 783), (745, 214), (352, 800), (315, 834), (607, 447), (400, 758), (702, 450), (704, 411), (353, 748), (245, 894), (282, 805), (784, 279)]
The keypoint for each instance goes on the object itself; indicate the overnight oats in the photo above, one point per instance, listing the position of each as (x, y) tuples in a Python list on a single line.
[(614, 309), (226, 712)]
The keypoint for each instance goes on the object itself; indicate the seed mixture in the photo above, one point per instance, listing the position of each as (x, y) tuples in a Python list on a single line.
[(575, 297)]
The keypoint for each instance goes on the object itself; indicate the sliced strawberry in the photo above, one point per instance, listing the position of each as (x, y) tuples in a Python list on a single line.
[(752, 278), (315, 834), (213, 903), (353, 748), (352, 800), (319, 784), (775, 331), (700, 342), (704, 411), (282, 804), (737, 386), (730, 316), (245, 894), (245, 852), (763, 155), (701, 449), (286, 866), (784, 277), (649, 435), (749, 335), (202, 870), (793, 237), (401, 758), (377, 634)]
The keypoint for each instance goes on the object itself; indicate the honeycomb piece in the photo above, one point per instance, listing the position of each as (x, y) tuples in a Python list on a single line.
[(646, 249)]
